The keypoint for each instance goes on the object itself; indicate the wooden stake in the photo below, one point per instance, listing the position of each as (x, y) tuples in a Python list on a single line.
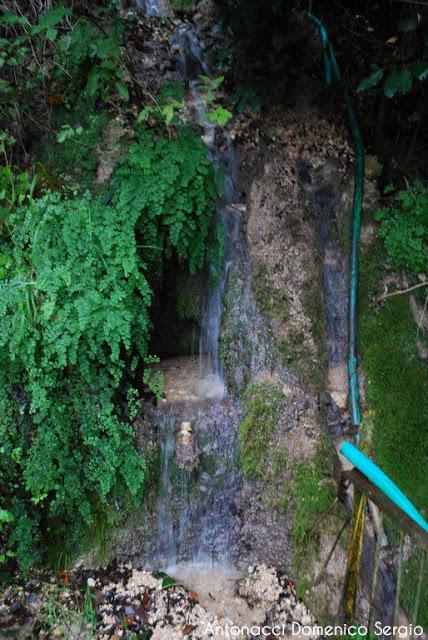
[(375, 570), (419, 588)]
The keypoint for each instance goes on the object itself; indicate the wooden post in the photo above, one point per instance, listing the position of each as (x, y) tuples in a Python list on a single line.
[(376, 560), (386, 505), (419, 588)]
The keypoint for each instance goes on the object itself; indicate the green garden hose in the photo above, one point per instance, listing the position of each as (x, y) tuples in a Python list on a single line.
[(332, 73), (364, 464)]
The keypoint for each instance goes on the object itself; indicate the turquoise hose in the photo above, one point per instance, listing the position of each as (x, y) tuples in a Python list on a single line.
[(382, 482), (361, 462), (332, 71)]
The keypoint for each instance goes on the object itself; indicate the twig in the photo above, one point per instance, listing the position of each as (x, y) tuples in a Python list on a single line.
[(400, 291), (421, 319)]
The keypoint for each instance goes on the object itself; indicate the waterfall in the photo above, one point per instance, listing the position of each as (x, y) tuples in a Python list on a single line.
[(196, 518)]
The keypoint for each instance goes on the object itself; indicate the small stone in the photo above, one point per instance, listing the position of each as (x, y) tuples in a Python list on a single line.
[(91, 583), (32, 600)]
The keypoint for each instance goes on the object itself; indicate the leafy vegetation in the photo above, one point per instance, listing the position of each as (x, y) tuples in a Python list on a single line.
[(16, 187), (405, 227), (398, 381), (401, 77), (55, 58), (75, 324), (397, 390), (68, 155)]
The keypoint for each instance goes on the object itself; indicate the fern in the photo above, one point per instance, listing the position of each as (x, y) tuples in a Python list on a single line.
[(404, 227), (74, 324)]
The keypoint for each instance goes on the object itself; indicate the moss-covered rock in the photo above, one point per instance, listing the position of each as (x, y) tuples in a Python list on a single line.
[(261, 404), (396, 391)]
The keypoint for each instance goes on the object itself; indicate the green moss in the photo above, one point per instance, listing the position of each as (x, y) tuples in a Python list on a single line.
[(397, 388), (272, 301), (315, 508), (262, 404), (209, 463), (313, 492), (293, 349), (397, 391)]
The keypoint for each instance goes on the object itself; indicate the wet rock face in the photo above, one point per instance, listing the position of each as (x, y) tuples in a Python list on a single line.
[(186, 449), (284, 320), (196, 507)]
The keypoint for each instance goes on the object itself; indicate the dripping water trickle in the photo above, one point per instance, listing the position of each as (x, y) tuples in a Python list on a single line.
[(195, 514), (166, 542)]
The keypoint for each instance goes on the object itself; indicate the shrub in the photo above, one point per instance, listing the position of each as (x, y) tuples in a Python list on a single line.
[(74, 327), (52, 58), (404, 227)]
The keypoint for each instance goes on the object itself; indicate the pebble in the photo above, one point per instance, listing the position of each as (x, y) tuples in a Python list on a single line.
[(91, 583)]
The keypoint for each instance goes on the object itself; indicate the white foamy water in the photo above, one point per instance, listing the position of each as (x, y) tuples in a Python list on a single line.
[(190, 379)]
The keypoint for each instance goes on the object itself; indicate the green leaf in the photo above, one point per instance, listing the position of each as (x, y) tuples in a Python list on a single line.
[(370, 81), (123, 91), (420, 70), (409, 24), (168, 113), (167, 581), (37, 28), (51, 34), (10, 18), (65, 133), (144, 114), (398, 82), (53, 16), (218, 81), (389, 189), (92, 84), (5, 516)]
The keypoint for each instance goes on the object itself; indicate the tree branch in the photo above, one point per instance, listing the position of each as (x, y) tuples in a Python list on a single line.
[(400, 291)]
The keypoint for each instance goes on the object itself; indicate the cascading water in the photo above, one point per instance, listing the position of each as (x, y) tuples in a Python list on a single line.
[(166, 540), (209, 339), (196, 517)]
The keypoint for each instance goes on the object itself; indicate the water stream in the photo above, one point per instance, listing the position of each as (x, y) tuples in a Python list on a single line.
[(196, 518)]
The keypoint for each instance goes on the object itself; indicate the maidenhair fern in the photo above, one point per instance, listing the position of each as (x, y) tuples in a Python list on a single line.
[(74, 325)]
